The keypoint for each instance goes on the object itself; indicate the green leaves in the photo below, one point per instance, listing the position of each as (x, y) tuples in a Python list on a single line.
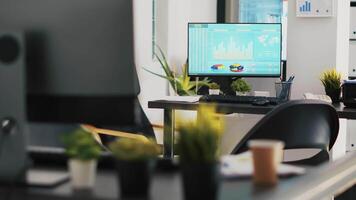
[(182, 84), (81, 145), (240, 85), (134, 150), (214, 86), (331, 79), (199, 141)]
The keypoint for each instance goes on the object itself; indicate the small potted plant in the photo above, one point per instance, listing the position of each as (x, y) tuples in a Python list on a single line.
[(83, 152), (214, 89), (241, 87), (331, 80), (198, 147), (135, 163)]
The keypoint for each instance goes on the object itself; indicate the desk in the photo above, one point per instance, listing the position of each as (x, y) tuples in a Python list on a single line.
[(170, 106), (164, 187), (317, 183)]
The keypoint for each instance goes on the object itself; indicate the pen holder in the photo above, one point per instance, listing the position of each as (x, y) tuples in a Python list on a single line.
[(283, 90)]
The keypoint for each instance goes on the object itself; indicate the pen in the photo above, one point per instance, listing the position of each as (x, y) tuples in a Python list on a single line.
[(291, 78)]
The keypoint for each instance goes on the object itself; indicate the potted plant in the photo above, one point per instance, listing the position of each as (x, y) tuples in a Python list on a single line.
[(331, 80), (135, 163), (181, 83), (198, 147), (83, 152), (240, 86), (214, 89)]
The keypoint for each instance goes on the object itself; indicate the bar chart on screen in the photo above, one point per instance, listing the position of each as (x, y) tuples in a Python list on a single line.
[(314, 8), (231, 49)]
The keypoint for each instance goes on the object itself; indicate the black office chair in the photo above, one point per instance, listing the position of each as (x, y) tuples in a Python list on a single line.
[(299, 124)]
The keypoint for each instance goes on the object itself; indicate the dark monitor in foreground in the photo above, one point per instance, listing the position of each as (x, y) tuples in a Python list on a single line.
[(73, 63), (241, 50), (79, 59)]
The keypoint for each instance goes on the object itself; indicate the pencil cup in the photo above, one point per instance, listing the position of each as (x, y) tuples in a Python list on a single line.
[(283, 90)]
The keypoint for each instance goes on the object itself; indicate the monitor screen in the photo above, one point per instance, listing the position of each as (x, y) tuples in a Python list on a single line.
[(245, 50)]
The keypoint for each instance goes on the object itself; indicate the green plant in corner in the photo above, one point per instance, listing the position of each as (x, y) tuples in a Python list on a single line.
[(181, 83), (240, 85), (81, 145), (331, 79), (134, 150)]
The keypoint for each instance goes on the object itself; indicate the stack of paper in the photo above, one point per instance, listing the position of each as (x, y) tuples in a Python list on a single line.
[(188, 99)]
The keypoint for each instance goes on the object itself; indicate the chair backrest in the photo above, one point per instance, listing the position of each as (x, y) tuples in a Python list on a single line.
[(299, 123)]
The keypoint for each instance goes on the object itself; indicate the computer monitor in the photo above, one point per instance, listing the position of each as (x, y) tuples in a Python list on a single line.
[(234, 49), (79, 59)]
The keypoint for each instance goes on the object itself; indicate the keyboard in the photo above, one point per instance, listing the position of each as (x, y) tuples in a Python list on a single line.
[(255, 100)]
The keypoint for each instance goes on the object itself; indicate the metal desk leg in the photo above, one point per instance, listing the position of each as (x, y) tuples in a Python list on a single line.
[(168, 133)]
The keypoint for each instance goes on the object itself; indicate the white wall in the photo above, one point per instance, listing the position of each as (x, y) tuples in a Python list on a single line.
[(316, 44), (179, 13), (152, 87)]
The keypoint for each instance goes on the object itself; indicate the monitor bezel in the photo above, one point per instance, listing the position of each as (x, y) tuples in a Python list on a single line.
[(235, 75)]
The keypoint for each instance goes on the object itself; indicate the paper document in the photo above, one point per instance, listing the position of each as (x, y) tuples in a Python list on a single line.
[(241, 165), (188, 99)]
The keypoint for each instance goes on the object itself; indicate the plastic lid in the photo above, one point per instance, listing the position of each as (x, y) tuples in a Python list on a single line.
[(265, 143)]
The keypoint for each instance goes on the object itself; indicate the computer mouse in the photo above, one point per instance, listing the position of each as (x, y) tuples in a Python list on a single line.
[(261, 102)]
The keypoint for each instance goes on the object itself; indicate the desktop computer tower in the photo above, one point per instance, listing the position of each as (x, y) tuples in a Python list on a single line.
[(13, 158)]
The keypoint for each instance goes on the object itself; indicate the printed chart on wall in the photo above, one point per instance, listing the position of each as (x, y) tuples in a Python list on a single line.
[(235, 49), (314, 8)]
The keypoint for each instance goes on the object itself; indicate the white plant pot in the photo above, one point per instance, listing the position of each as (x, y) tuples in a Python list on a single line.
[(214, 91), (82, 173), (241, 93)]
